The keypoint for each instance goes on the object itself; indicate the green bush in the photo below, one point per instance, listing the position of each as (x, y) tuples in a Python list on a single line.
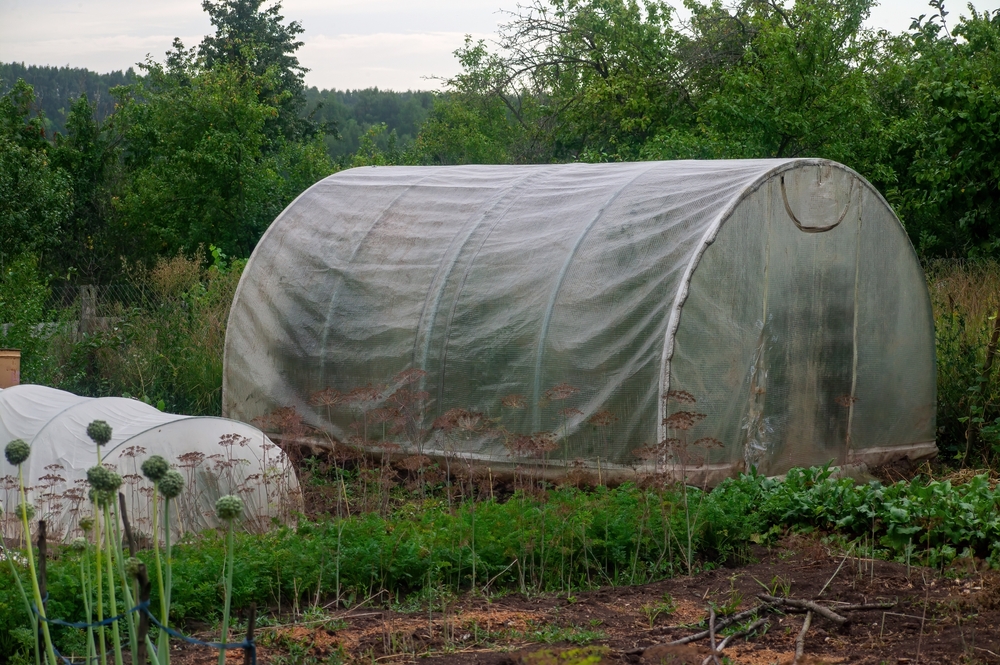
[(24, 293)]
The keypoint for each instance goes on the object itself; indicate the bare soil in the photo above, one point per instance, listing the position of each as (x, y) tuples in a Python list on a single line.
[(950, 618)]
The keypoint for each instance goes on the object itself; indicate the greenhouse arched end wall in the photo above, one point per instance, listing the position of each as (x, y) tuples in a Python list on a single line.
[(693, 316)]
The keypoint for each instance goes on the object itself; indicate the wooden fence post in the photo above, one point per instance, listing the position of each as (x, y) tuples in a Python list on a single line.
[(88, 309)]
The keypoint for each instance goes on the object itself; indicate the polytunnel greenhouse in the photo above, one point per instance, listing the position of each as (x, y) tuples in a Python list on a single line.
[(216, 456), (691, 316)]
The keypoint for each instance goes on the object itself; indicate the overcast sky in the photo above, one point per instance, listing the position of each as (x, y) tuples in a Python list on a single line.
[(394, 44)]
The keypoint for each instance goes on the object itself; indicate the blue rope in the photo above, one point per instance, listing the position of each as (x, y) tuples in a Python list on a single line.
[(68, 661), (141, 607), (247, 645)]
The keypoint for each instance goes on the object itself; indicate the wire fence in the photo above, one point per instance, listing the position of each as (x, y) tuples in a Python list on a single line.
[(106, 300)]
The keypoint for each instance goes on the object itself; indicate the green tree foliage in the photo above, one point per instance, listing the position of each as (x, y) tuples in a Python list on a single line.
[(35, 195), (771, 81), (256, 42), (478, 121), (949, 141), (204, 167), (90, 153), (24, 293)]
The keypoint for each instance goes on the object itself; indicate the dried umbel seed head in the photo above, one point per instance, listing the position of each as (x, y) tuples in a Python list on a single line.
[(99, 432), (229, 507), (603, 418), (103, 479), (155, 468), (680, 396), (683, 420), (24, 508), (171, 484), (86, 523), (79, 544), (17, 451), (561, 392), (514, 401), (132, 566)]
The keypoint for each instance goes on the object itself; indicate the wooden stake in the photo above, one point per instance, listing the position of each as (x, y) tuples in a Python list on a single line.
[(142, 632), (251, 625), (126, 525), (42, 585)]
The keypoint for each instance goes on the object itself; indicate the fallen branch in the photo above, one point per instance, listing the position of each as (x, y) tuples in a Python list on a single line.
[(740, 633), (863, 608), (711, 635), (727, 621), (824, 612), (800, 641)]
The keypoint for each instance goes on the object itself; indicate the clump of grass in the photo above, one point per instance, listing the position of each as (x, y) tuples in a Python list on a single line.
[(163, 343), (965, 296)]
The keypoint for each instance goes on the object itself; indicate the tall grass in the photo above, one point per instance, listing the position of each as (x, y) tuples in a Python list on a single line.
[(162, 345), (965, 296)]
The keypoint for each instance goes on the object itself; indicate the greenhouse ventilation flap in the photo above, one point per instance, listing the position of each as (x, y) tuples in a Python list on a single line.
[(693, 317)]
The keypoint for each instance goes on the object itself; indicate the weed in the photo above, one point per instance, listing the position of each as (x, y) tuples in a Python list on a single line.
[(778, 586), (592, 655), (655, 610), (551, 634)]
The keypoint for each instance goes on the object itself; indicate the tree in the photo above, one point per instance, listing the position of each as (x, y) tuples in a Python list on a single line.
[(948, 141), (35, 195), (258, 42), (90, 153), (794, 82), (479, 121), (205, 170), (571, 79)]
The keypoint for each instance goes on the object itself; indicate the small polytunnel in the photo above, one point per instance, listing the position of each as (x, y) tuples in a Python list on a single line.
[(693, 316), (216, 456)]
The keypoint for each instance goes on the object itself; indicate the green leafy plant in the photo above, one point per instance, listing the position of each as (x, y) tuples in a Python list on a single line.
[(228, 508), (656, 609)]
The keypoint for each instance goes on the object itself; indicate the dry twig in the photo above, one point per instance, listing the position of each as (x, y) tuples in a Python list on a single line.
[(740, 633), (824, 612), (800, 641), (727, 621), (711, 635)]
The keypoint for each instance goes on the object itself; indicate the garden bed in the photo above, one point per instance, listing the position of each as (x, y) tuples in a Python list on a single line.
[(935, 618)]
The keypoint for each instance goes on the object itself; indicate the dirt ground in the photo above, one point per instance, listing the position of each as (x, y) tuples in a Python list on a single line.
[(953, 618)]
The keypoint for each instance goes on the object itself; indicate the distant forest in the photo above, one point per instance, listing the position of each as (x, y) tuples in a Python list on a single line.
[(56, 88), (347, 115), (350, 114)]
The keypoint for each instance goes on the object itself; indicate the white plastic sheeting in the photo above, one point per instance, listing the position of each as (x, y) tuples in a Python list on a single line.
[(217, 456), (782, 295)]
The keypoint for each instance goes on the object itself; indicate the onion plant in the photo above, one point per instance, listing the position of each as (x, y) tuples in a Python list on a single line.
[(229, 508), (86, 584), (104, 484), (170, 485), (17, 452)]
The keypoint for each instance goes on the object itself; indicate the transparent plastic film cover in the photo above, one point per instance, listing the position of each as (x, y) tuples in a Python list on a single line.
[(544, 314)]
